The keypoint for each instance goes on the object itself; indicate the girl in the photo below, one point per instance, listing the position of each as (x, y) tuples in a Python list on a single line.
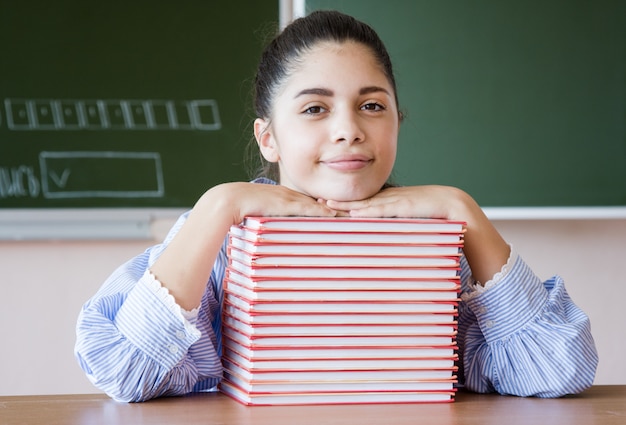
[(327, 129)]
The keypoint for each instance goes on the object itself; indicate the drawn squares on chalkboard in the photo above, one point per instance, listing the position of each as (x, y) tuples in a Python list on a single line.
[(69, 113), (183, 115), (138, 115), (44, 113), (161, 116), (116, 116), (17, 114), (93, 116), (204, 114)]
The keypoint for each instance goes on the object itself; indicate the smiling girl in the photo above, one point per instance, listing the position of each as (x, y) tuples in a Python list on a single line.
[(327, 130)]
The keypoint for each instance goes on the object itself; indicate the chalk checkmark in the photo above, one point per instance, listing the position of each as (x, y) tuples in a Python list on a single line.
[(61, 180)]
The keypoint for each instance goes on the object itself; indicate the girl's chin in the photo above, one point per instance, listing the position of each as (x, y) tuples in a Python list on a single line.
[(349, 195)]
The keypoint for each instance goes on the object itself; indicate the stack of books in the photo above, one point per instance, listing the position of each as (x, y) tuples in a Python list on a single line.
[(341, 310)]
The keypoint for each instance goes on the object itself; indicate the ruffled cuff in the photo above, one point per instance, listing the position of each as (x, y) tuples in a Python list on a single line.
[(510, 304), (164, 294), (152, 321), (475, 288)]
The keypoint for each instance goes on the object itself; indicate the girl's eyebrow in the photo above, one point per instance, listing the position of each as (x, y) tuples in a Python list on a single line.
[(315, 90), (373, 89), (326, 92)]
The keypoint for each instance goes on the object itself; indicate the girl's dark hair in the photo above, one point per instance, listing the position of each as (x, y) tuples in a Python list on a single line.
[(282, 56)]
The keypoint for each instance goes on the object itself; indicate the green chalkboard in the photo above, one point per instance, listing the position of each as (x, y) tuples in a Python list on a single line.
[(521, 103), (125, 103), (146, 104)]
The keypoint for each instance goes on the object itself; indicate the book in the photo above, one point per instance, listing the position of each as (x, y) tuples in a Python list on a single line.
[(338, 248), (336, 386), (324, 260), (341, 284), (307, 307), (339, 341), (386, 375), (246, 398), (350, 224), (336, 330), (321, 353), (382, 363), (346, 237), (337, 318), (373, 295), (362, 271)]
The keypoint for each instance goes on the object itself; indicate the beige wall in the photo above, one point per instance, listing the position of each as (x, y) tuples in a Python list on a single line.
[(45, 283)]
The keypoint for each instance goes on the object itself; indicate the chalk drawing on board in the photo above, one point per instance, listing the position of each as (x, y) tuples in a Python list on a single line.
[(111, 114), (101, 175)]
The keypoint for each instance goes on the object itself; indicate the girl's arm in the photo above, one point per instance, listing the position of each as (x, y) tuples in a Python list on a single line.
[(524, 337), (133, 339), (185, 266), (519, 337)]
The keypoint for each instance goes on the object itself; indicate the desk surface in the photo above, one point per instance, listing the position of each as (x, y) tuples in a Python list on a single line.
[(604, 405)]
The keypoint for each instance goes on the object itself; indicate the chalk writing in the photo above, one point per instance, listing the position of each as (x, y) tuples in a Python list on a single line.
[(18, 182)]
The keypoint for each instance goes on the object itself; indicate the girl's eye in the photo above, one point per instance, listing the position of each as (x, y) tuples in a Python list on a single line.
[(372, 106), (313, 110)]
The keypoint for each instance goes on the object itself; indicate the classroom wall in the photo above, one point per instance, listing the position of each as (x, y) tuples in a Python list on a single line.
[(45, 283)]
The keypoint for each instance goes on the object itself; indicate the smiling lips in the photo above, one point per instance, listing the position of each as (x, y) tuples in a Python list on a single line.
[(347, 162)]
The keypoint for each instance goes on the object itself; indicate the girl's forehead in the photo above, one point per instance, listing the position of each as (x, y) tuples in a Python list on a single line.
[(331, 62), (333, 51)]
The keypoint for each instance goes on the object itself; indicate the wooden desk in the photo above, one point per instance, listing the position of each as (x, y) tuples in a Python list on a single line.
[(605, 405)]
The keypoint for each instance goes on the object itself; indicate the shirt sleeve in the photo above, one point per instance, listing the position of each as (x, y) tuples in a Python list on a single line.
[(135, 343), (524, 337)]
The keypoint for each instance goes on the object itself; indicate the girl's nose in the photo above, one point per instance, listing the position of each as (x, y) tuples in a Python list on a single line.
[(347, 127)]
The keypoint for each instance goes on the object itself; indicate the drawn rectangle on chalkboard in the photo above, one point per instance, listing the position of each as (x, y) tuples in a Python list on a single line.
[(183, 114), (137, 113), (162, 113), (69, 113), (117, 115), (19, 114), (45, 113), (101, 175), (94, 116), (204, 114)]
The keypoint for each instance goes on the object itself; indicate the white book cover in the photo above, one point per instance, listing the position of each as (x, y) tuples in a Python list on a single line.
[(339, 330), (399, 375), (336, 387), (341, 272), (338, 318), (352, 249), (346, 296), (307, 307), (292, 399), (353, 224), (347, 237), (339, 364), (272, 260), (260, 341), (260, 283), (338, 353)]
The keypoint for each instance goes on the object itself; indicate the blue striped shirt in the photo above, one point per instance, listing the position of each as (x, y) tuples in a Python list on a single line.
[(522, 337)]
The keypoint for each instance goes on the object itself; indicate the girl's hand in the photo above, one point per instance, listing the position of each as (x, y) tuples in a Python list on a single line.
[(486, 251), (411, 201), (249, 199)]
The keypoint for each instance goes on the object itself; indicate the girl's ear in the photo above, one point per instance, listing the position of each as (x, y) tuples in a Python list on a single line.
[(265, 140)]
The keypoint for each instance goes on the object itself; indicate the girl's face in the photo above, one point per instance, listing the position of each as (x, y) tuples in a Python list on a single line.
[(335, 125)]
